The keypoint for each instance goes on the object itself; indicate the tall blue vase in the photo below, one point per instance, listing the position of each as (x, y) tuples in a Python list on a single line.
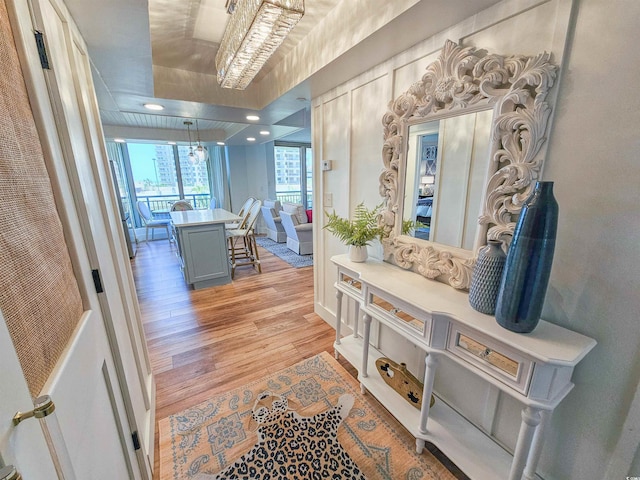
[(526, 273)]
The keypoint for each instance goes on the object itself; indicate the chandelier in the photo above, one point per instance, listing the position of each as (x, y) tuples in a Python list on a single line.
[(192, 156), (201, 151), (256, 29)]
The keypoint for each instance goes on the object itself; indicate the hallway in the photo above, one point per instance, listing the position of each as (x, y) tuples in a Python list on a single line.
[(209, 341)]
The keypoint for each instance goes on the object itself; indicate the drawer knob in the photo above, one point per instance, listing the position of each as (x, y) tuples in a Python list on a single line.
[(485, 353)]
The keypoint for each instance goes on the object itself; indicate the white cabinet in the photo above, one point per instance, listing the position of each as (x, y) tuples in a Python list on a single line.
[(202, 246), (534, 368)]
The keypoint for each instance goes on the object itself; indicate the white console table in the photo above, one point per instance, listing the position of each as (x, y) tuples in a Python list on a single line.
[(534, 368)]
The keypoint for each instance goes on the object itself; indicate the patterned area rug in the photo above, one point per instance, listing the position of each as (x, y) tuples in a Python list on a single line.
[(281, 250), (207, 438)]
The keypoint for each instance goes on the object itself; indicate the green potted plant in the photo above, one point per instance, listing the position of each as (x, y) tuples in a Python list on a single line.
[(357, 232)]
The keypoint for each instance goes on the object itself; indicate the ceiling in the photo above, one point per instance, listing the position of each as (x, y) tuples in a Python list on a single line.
[(163, 51)]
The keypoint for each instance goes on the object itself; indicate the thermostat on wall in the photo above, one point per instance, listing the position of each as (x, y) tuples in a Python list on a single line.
[(326, 165)]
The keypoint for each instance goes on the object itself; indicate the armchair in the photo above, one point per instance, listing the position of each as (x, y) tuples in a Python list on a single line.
[(271, 214), (299, 230)]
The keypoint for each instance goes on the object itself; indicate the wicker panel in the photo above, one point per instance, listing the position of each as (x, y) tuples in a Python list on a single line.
[(39, 296)]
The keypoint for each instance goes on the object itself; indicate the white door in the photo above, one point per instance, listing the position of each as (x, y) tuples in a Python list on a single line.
[(22, 447), (101, 385)]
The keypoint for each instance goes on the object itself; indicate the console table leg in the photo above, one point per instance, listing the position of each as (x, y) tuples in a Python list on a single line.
[(431, 361), (530, 420), (536, 447), (419, 445), (366, 320), (338, 317), (355, 323)]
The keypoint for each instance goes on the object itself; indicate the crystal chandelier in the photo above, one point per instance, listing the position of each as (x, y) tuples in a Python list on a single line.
[(256, 29)]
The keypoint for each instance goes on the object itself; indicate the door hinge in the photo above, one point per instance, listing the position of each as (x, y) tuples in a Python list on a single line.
[(97, 281), (136, 440), (42, 50)]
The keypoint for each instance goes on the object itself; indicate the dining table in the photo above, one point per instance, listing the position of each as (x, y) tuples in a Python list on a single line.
[(201, 240)]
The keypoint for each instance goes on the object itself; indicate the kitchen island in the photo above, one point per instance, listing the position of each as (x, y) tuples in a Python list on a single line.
[(202, 245)]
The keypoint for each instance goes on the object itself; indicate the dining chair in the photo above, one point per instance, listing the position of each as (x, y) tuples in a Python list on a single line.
[(243, 249), (181, 206), (244, 211), (151, 223)]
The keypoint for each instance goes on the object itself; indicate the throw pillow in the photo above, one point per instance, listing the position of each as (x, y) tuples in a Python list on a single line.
[(310, 216)]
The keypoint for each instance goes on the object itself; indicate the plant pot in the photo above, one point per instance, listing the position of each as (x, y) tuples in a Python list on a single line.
[(357, 253)]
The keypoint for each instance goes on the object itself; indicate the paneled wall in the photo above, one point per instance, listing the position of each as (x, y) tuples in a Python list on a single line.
[(592, 288)]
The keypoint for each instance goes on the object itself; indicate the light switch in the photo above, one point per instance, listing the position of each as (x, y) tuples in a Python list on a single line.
[(326, 165), (328, 200)]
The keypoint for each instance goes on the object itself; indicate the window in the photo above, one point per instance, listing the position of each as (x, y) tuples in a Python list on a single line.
[(294, 171), (162, 174)]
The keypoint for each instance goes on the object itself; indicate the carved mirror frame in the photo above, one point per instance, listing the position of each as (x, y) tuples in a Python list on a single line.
[(465, 80)]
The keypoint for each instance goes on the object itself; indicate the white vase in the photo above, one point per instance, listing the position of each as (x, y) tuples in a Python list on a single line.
[(358, 253)]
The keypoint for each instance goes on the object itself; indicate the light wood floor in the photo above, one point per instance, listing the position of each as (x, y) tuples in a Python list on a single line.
[(212, 340)]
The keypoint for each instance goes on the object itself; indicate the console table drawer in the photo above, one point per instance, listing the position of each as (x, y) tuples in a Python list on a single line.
[(497, 360), (349, 283), (397, 313)]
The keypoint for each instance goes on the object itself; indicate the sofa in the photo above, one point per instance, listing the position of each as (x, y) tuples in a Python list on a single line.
[(298, 228), (271, 215)]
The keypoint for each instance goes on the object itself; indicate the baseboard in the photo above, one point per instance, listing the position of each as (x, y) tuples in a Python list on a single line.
[(330, 318)]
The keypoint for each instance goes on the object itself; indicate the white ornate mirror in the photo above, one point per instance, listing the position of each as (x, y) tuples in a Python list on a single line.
[(469, 135)]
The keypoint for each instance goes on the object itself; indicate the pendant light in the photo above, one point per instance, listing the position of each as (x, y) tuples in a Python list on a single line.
[(192, 156), (200, 151)]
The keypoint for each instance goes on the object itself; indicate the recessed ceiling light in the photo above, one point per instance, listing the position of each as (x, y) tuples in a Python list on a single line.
[(251, 139), (119, 140), (220, 143), (264, 132), (153, 106), (253, 118), (171, 143)]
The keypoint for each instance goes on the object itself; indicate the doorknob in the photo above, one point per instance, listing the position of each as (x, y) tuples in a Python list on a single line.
[(44, 411), (44, 407), (9, 473)]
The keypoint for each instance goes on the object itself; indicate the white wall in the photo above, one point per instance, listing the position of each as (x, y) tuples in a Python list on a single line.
[(591, 157), (251, 173), (593, 160), (237, 159)]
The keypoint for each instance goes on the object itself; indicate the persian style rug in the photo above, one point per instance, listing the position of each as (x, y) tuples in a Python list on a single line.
[(302, 422), (281, 250)]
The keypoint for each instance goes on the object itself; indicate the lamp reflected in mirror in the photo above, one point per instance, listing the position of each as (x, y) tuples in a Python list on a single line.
[(428, 179)]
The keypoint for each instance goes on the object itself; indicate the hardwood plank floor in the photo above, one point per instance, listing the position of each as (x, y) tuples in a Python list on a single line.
[(205, 342)]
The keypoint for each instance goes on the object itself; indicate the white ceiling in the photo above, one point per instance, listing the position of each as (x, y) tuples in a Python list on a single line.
[(163, 51)]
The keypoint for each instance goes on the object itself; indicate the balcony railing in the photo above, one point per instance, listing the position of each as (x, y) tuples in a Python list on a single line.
[(160, 205), (295, 197)]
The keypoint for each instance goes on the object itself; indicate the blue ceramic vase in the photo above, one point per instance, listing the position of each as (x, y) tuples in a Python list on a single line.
[(486, 277), (528, 266)]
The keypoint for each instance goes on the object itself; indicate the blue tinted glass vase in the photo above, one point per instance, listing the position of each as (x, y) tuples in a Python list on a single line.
[(528, 266)]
